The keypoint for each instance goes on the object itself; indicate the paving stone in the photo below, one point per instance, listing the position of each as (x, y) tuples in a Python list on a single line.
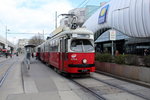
[(69, 95), (35, 96), (122, 96)]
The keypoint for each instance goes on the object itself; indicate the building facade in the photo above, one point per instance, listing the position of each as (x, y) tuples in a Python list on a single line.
[(83, 13), (21, 44), (9, 47), (123, 44)]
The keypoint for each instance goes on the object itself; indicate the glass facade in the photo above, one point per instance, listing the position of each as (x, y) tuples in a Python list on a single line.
[(123, 43)]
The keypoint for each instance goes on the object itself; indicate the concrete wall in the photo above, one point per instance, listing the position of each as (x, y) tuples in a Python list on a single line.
[(131, 72)]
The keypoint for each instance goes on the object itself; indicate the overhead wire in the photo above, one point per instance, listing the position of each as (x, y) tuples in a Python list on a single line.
[(86, 3), (80, 5)]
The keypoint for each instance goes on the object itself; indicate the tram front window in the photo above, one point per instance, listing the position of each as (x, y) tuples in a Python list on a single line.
[(81, 45)]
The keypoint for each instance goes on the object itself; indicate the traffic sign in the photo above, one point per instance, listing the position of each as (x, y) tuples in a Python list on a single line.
[(112, 35)]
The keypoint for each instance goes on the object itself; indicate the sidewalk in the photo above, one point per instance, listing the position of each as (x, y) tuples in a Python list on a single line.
[(42, 83), (3, 58)]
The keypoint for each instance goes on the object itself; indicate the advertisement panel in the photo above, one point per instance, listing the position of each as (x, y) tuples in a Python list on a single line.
[(103, 14)]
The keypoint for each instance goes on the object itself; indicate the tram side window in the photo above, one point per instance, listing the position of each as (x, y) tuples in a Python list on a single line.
[(39, 49), (64, 45), (54, 48), (50, 48), (45, 48)]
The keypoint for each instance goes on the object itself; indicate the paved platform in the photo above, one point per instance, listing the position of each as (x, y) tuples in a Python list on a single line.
[(42, 83), (3, 58), (13, 82)]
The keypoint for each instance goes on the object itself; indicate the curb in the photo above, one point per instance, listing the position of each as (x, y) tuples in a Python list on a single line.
[(147, 85), (22, 64)]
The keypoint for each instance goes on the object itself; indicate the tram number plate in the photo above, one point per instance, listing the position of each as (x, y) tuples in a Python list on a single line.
[(85, 70)]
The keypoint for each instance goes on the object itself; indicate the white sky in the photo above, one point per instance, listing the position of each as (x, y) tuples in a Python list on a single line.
[(29, 16), (33, 16)]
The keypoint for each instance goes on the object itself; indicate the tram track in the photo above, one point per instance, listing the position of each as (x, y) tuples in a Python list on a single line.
[(100, 97), (4, 75), (98, 94), (3, 62), (94, 93), (121, 88), (108, 87)]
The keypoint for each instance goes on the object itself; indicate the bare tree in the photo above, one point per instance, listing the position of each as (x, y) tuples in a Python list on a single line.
[(36, 40)]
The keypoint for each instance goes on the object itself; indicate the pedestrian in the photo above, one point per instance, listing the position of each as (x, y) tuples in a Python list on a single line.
[(6, 54), (28, 55), (145, 52), (36, 56), (10, 54), (32, 55), (16, 53), (116, 53)]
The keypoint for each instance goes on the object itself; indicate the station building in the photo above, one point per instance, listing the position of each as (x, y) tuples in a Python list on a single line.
[(132, 33), (5, 47), (123, 43)]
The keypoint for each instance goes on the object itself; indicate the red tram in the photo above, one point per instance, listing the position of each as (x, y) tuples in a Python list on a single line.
[(69, 51)]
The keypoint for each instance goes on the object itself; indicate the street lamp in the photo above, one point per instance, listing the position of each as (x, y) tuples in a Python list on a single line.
[(6, 46), (113, 32)]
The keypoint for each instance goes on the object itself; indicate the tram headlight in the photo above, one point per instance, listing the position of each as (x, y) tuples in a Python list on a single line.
[(84, 61)]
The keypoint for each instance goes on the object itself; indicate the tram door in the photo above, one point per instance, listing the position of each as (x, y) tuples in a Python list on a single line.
[(62, 51)]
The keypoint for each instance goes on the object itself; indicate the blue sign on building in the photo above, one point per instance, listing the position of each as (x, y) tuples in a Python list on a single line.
[(103, 14)]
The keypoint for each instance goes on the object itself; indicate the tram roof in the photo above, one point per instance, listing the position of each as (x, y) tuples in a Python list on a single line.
[(72, 31), (79, 30)]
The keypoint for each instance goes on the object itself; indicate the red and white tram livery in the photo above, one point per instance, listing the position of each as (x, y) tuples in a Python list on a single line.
[(70, 51)]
